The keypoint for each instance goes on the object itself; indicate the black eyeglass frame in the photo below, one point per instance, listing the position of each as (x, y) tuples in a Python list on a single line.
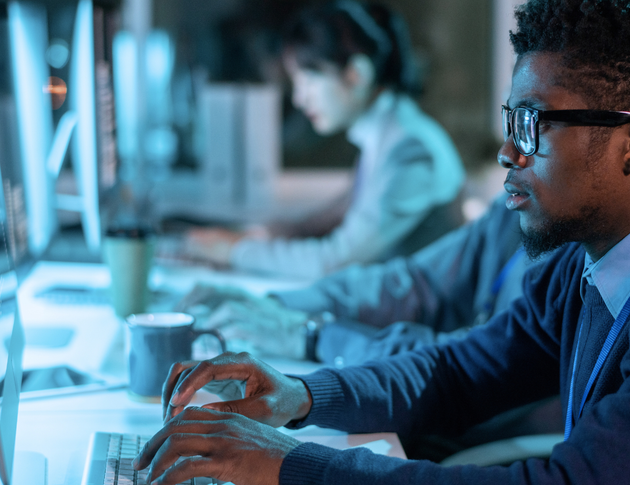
[(578, 117)]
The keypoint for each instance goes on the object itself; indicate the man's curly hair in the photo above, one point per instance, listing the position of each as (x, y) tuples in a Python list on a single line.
[(593, 40)]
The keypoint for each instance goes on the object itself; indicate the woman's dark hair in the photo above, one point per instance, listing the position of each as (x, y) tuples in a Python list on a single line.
[(336, 31), (593, 39)]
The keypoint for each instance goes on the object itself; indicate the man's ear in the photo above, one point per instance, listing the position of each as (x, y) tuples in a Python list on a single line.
[(360, 72)]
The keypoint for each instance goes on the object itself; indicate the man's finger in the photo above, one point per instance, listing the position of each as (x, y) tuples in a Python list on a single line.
[(171, 381), (169, 411), (185, 470), (172, 412), (226, 366), (176, 446), (255, 408), (192, 420)]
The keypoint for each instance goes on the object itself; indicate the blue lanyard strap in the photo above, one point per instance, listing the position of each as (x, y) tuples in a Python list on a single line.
[(608, 344), (500, 279), (498, 282)]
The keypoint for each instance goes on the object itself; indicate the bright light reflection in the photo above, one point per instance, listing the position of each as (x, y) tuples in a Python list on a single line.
[(57, 89)]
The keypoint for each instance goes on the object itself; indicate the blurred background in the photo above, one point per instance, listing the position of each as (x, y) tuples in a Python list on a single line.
[(109, 111), (453, 40)]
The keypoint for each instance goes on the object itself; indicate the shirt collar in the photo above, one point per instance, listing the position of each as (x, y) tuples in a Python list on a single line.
[(365, 127), (611, 275)]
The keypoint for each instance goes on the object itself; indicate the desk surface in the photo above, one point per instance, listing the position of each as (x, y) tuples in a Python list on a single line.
[(96, 328), (60, 427)]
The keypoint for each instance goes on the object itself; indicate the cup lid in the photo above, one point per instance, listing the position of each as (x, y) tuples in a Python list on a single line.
[(160, 319), (129, 232)]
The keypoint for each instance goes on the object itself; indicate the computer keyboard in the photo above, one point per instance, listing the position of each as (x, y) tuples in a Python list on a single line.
[(74, 295), (109, 461), (120, 453)]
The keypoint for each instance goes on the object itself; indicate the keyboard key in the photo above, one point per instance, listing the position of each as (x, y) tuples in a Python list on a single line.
[(121, 451)]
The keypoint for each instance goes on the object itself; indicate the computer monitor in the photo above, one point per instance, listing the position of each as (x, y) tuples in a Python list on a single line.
[(11, 385), (43, 146), (237, 135), (49, 375), (16, 468), (12, 187), (29, 467)]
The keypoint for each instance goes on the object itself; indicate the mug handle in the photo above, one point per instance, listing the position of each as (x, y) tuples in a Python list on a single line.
[(215, 333)]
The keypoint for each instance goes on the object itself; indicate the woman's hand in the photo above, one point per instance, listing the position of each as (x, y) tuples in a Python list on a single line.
[(213, 245), (269, 396), (226, 446)]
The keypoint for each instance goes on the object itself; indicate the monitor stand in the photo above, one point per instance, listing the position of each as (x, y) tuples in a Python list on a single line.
[(29, 468)]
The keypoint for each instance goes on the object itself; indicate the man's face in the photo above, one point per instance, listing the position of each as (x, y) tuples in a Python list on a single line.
[(326, 97), (571, 189)]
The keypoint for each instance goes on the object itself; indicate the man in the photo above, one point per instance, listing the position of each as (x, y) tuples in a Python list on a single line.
[(366, 312), (459, 281), (569, 180)]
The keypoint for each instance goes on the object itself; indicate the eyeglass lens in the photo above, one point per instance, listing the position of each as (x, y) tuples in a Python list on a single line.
[(522, 123), (506, 122)]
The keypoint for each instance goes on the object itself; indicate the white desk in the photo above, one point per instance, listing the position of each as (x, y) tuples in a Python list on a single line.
[(96, 329), (60, 427)]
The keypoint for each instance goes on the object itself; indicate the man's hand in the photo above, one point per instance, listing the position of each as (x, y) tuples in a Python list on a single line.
[(226, 446), (261, 326), (270, 397)]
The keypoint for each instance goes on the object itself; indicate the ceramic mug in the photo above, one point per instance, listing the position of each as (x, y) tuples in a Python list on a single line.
[(157, 341)]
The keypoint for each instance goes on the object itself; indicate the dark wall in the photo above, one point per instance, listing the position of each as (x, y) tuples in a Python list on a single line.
[(233, 41)]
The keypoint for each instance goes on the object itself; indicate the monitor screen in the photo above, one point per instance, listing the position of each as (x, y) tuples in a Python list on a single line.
[(11, 349), (13, 210), (59, 138), (12, 355)]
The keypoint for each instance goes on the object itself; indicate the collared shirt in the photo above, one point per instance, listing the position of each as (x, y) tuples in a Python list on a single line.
[(366, 134), (611, 276), (365, 130)]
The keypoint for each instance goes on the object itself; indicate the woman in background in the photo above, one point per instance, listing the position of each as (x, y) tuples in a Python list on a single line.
[(352, 70)]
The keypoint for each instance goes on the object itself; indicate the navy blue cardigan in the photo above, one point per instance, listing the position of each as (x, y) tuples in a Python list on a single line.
[(520, 356)]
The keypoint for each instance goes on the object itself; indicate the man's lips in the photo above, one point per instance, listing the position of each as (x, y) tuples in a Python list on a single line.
[(518, 196)]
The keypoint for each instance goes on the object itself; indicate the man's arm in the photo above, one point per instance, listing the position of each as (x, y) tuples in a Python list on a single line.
[(443, 286), (440, 389), (514, 359)]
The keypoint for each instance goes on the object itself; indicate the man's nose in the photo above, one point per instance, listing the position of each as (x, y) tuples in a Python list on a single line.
[(509, 156)]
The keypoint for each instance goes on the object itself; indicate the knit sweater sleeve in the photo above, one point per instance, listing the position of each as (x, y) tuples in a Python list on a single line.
[(516, 358), (443, 285)]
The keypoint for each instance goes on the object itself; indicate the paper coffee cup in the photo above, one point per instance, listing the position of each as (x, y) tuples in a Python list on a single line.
[(128, 253)]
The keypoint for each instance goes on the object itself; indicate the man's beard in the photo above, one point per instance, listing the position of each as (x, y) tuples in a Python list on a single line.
[(561, 231)]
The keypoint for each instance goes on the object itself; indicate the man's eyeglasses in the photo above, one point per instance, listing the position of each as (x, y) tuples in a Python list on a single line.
[(522, 122)]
